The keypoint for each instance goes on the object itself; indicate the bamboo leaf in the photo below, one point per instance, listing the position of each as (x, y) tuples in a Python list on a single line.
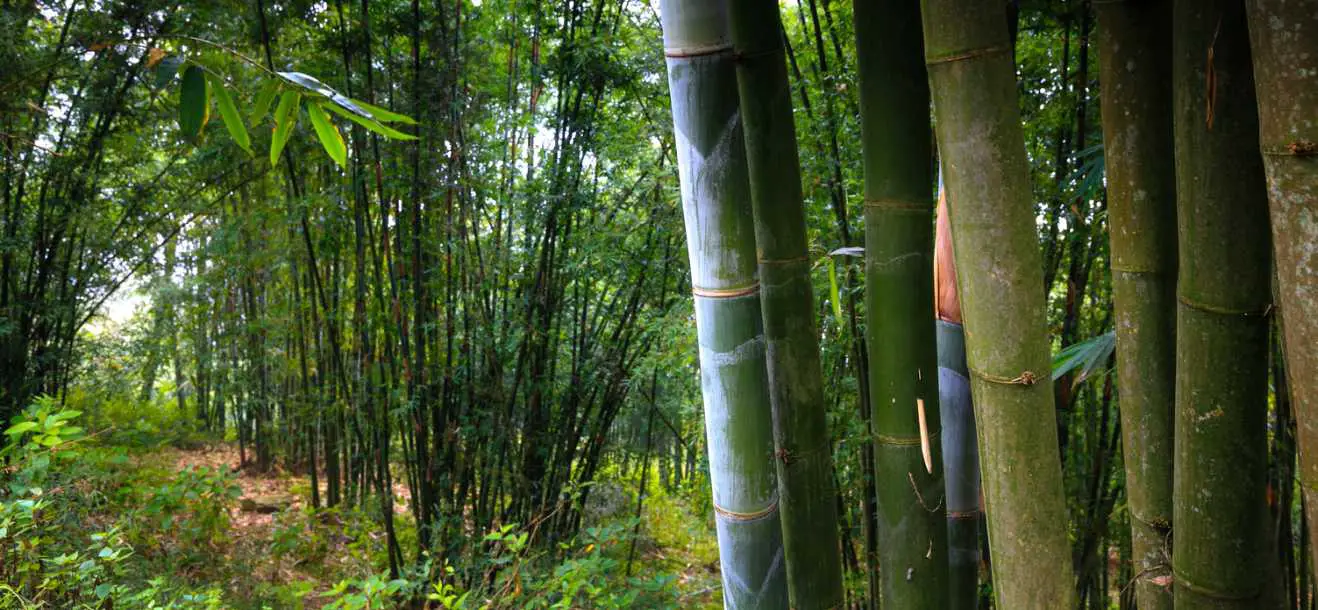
[(329, 135), (385, 116), (372, 125), (1087, 356), (229, 113), (193, 107), (833, 293), (263, 100), (857, 251), (285, 118)]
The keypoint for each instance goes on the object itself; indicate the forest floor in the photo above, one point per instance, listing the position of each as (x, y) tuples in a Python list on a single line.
[(272, 544)]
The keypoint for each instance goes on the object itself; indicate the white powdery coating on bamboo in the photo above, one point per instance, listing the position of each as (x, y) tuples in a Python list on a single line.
[(713, 260)]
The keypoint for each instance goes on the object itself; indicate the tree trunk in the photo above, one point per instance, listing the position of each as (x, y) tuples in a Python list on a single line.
[(721, 246), (1134, 46), (1284, 39), (1222, 546), (803, 447), (903, 370), (999, 272)]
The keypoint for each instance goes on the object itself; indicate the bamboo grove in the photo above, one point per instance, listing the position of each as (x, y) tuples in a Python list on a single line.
[(918, 303)]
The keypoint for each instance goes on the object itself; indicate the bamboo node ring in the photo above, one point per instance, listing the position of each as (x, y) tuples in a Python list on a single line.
[(725, 293), (697, 50), (1026, 378), (897, 205), (965, 55), (783, 261), (732, 515), (1223, 311), (897, 441), (1208, 592), (1298, 148)]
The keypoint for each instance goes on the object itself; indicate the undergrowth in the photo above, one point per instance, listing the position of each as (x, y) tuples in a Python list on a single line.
[(111, 519)]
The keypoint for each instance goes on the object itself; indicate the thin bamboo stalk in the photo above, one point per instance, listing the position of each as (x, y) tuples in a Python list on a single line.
[(899, 248), (804, 449), (1134, 47)]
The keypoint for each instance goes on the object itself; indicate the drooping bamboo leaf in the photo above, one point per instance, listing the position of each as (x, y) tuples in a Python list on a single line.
[(285, 118), (834, 295), (328, 134), (307, 82), (263, 100), (857, 251), (385, 116), (1087, 356), (193, 107), (229, 113), (375, 126)]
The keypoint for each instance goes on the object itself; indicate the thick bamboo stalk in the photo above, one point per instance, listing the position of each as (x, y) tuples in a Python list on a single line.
[(899, 244), (716, 204), (998, 263), (807, 498), (1135, 62), (1284, 40), (1222, 546)]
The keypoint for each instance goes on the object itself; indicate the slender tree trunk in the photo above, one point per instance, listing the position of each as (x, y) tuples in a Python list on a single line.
[(1134, 46), (804, 449), (1284, 38), (721, 245), (999, 271), (903, 370), (1222, 547)]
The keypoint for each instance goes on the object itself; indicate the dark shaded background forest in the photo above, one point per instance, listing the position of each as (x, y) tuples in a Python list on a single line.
[(476, 345)]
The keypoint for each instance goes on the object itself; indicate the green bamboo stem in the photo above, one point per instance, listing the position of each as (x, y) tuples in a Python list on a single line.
[(1135, 61), (899, 244), (720, 233), (1222, 546), (998, 263), (1284, 40), (807, 498)]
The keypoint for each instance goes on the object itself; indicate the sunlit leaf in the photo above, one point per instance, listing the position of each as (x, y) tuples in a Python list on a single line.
[(20, 428), (193, 107), (375, 126), (263, 100), (385, 116), (328, 134), (834, 294), (229, 113), (285, 118)]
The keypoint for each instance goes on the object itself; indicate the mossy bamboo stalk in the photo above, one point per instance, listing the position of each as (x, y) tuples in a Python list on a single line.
[(980, 140), (1135, 62), (720, 233), (807, 498), (1284, 41), (899, 244), (1222, 547)]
